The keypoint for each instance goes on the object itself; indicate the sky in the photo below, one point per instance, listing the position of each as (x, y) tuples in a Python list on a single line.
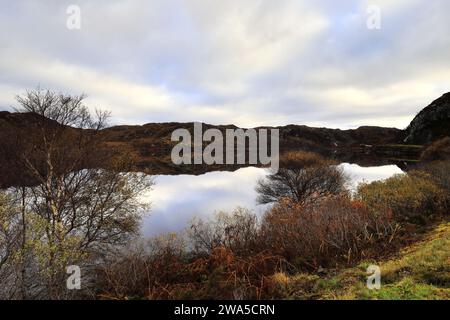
[(249, 63)]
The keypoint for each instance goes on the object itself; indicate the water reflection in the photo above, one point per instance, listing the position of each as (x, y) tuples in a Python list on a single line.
[(177, 199), (359, 174)]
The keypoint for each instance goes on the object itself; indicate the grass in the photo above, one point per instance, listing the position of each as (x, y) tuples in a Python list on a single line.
[(419, 272), (404, 146), (416, 146)]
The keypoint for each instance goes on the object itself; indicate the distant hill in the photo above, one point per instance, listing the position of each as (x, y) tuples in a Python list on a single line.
[(150, 145)]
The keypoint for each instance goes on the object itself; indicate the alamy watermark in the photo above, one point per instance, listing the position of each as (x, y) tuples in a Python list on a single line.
[(73, 21), (374, 278), (235, 151), (374, 17), (74, 280)]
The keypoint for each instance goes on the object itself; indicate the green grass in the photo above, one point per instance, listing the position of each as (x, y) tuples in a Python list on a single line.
[(406, 146), (406, 289), (404, 160), (419, 272)]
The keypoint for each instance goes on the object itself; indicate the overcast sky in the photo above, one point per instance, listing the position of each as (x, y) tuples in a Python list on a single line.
[(247, 62)]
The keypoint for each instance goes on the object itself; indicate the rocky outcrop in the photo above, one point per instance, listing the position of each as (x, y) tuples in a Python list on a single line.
[(431, 124), (314, 139)]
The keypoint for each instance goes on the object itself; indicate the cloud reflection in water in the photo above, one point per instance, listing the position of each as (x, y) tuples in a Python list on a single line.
[(179, 198)]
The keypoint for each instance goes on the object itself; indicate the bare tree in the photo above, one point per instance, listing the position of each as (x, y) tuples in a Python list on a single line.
[(302, 177), (81, 202), (237, 231)]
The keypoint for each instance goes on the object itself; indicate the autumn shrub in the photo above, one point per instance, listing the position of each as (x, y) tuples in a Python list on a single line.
[(438, 172), (123, 276), (237, 231), (304, 177), (169, 271), (221, 258), (412, 197), (233, 256), (335, 230), (145, 270), (224, 275), (437, 151)]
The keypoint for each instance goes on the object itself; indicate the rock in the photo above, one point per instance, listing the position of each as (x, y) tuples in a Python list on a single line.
[(431, 124), (321, 270)]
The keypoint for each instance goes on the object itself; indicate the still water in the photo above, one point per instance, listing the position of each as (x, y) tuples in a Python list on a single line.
[(175, 200)]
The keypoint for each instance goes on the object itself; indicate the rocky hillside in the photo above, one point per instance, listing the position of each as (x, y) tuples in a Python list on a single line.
[(150, 145), (432, 123)]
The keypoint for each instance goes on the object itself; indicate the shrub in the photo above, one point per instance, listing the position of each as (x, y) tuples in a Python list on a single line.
[(335, 230), (438, 150), (302, 177), (145, 271), (227, 276), (124, 275), (413, 196), (166, 272), (237, 231), (439, 173)]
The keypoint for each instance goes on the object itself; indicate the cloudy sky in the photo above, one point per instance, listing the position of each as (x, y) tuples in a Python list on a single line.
[(252, 62)]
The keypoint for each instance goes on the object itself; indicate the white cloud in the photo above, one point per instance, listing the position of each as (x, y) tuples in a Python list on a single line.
[(108, 88), (255, 62)]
